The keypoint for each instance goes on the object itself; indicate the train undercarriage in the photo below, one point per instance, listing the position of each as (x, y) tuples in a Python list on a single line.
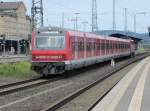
[(48, 68)]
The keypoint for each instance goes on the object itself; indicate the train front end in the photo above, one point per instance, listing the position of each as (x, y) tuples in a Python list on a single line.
[(49, 51)]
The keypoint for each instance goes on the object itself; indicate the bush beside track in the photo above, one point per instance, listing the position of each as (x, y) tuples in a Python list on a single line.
[(18, 70)]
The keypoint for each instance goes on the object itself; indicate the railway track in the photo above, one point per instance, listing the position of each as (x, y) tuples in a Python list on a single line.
[(26, 84), (77, 93)]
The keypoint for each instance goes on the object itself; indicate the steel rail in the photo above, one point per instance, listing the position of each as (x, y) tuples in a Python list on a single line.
[(19, 86), (18, 83)]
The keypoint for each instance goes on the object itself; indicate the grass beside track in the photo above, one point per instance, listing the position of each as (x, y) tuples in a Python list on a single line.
[(17, 70), (141, 50)]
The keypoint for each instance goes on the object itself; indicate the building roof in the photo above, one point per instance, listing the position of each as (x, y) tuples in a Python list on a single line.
[(120, 34), (11, 5)]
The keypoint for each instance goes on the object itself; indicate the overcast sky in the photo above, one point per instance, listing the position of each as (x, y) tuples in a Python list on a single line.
[(53, 10)]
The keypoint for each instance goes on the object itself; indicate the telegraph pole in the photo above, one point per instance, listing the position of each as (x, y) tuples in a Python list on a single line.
[(135, 23), (94, 16), (114, 15), (74, 23), (63, 20), (37, 14), (126, 20), (76, 20)]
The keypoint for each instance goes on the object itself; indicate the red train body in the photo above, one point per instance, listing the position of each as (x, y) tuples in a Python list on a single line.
[(55, 50)]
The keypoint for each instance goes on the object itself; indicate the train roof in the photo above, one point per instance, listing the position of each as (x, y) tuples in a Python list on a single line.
[(80, 33)]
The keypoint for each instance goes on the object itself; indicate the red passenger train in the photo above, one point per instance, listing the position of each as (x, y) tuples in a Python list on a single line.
[(56, 50)]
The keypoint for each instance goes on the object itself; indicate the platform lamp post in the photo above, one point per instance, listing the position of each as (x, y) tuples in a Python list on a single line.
[(74, 23), (135, 19), (114, 16), (76, 20)]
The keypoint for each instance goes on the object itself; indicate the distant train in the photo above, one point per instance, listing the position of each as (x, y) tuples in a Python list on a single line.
[(56, 50)]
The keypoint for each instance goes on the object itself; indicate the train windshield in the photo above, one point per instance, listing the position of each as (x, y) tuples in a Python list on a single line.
[(50, 42)]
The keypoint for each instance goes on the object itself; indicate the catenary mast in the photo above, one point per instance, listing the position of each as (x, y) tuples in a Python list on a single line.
[(37, 13)]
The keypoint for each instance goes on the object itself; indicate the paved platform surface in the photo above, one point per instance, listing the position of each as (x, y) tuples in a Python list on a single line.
[(13, 58), (132, 93)]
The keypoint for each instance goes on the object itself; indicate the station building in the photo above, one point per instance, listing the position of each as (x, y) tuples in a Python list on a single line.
[(15, 28)]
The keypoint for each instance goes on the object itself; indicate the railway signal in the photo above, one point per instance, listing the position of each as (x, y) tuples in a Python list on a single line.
[(3, 38), (3, 42)]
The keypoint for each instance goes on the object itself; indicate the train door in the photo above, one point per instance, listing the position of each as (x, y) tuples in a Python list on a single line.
[(95, 47), (92, 47), (100, 50), (107, 47), (117, 47), (88, 47), (121, 43), (85, 46), (110, 47), (80, 47), (76, 47), (98, 53), (102, 44), (73, 48), (113, 47)]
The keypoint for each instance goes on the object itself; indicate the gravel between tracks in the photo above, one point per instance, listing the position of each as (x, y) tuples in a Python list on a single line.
[(9, 80), (38, 98), (4, 80), (82, 102)]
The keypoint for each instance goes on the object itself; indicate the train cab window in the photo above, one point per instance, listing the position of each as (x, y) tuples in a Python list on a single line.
[(48, 41)]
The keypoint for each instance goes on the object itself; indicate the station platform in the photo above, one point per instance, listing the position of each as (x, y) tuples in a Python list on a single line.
[(132, 93), (14, 58)]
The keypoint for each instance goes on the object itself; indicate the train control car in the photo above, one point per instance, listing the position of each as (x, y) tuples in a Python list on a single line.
[(56, 50)]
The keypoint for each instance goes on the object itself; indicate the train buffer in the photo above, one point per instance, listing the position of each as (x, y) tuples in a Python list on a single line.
[(132, 93)]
